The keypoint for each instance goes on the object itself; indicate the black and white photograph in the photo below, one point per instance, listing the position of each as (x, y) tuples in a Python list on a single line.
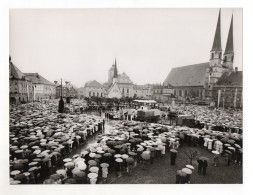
[(125, 96)]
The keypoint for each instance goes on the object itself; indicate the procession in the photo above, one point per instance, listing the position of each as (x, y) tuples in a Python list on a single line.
[(123, 106)]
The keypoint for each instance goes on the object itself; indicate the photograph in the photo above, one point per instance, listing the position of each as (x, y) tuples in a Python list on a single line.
[(125, 96)]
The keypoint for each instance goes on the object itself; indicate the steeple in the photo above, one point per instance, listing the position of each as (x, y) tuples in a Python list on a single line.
[(217, 37), (230, 43), (115, 75), (229, 51), (216, 51)]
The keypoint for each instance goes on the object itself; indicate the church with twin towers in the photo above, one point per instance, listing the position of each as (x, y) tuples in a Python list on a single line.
[(200, 80)]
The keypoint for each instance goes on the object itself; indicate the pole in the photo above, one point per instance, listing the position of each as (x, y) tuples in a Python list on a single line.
[(61, 87)]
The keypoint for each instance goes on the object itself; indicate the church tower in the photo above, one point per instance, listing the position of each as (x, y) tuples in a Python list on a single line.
[(115, 73), (216, 51), (228, 56)]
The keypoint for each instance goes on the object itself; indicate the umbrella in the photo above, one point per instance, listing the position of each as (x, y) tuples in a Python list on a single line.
[(130, 160), (48, 181), (107, 154), (26, 174), (118, 160), (15, 172), (227, 151), (33, 163), (145, 156), (67, 160), (19, 177), (187, 171), (70, 181), (104, 165), (92, 162), (92, 175), (203, 158), (94, 169), (238, 146), (55, 177), (173, 150), (15, 182), (124, 156), (69, 165), (231, 141), (24, 147), (18, 166), (33, 169), (190, 167), (215, 152), (61, 172), (117, 155)]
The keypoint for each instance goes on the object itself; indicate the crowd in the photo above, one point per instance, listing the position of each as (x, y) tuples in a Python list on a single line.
[(39, 138)]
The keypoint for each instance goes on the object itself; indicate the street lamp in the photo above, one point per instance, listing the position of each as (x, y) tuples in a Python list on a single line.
[(61, 102)]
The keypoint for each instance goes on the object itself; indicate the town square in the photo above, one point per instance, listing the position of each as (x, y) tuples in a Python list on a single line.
[(89, 116)]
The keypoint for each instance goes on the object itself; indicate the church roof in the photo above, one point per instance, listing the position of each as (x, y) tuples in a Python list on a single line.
[(93, 83), (230, 79), (230, 43), (38, 79), (217, 37), (191, 75)]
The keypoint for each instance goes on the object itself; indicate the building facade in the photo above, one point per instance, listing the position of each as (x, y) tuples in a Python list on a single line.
[(42, 88), (20, 87)]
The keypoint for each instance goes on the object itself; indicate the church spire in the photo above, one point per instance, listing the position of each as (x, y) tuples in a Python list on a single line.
[(230, 43), (228, 58), (115, 75), (217, 37)]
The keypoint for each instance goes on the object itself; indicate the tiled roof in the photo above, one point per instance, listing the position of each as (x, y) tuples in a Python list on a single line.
[(231, 79), (93, 83), (191, 75), (38, 79)]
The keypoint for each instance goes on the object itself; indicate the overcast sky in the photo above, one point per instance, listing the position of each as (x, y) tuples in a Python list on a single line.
[(79, 45)]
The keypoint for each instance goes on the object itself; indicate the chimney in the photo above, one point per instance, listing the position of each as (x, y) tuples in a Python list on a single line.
[(236, 69)]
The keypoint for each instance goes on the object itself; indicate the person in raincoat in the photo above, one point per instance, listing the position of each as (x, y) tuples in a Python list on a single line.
[(173, 156)]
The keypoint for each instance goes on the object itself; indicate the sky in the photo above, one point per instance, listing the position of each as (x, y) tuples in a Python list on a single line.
[(79, 45)]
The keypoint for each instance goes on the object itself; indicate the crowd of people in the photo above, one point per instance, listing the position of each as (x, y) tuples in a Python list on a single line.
[(40, 138)]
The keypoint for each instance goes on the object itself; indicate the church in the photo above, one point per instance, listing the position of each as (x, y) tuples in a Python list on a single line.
[(199, 80), (118, 85)]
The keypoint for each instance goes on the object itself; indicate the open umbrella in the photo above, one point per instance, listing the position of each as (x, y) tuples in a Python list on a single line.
[(94, 169), (190, 167), (130, 160), (187, 171), (14, 182), (173, 150), (227, 151), (215, 152), (67, 160), (55, 177), (124, 156), (92, 175), (92, 162), (61, 172), (118, 160), (69, 165), (16, 172), (70, 181), (104, 165), (48, 181), (145, 156)]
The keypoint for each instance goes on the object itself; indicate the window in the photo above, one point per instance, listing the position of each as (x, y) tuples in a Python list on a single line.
[(219, 55), (97, 94), (89, 93), (212, 55), (123, 90), (232, 58), (127, 90), (225, 59)]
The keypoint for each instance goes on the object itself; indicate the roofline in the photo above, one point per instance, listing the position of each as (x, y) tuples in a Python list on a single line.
[(191, 65)]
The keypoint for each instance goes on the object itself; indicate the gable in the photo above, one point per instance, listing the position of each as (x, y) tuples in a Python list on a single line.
[(114, 91)]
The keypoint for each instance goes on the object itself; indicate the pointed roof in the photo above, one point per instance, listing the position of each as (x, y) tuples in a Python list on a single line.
[(217, 37), (230, 43), (15, 72), (115, 75)]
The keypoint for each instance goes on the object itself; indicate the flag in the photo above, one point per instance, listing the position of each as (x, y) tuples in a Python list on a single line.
[(219, 95)]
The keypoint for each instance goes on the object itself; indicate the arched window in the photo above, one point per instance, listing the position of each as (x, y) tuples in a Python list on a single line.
[(232, 58)]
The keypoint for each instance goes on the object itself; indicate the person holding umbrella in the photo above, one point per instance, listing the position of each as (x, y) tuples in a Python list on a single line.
[(200, 166), (205, 165), (173, 156)]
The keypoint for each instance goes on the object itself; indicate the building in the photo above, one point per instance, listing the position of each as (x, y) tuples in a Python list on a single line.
[(42, 88), (20, 86), (67, 90), (142, 91), (162, 93), (229, 89), (197, 81), (118, 85), (93, 89)]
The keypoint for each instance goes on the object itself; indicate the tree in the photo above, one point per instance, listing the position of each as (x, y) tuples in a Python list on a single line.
[(191, 154)]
